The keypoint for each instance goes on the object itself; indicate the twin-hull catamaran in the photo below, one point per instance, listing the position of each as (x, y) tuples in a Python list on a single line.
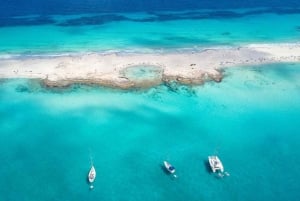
[(215, 164)]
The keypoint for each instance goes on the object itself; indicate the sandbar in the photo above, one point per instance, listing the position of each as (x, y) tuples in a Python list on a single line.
[(142, 70)]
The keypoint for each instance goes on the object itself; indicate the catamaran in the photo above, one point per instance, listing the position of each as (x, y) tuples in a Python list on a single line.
[(215, 164)]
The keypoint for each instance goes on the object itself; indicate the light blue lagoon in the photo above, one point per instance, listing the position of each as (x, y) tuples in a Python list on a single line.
[(251, 120)]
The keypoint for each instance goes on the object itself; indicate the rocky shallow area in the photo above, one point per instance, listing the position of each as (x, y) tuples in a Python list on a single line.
[(143, 70)]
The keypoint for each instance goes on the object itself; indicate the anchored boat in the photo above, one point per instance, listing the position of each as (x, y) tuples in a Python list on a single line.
[(215, 164), (169, 167), (92, 176)]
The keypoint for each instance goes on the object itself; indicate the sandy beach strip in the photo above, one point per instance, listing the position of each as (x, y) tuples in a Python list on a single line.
[(134, 70)]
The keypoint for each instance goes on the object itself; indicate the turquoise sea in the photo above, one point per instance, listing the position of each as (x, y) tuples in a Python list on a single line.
[(144, 31), (251, 120)]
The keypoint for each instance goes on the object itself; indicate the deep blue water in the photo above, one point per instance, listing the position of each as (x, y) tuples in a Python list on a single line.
[(50, 7)]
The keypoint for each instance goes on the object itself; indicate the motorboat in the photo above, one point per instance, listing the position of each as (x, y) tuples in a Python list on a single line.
[(92, 174), (169, 167), (215, 164)]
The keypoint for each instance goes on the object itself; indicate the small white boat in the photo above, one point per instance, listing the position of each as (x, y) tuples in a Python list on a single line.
[(215, 164), (169, 167), (92, 174)]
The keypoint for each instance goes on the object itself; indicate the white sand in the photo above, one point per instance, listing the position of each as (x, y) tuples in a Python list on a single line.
[(108, 69)]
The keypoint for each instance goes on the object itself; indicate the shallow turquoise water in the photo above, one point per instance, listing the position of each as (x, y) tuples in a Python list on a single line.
[(251, 120), (178, 30)]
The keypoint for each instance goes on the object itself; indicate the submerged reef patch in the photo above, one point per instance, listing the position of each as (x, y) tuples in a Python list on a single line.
[(143, 75)]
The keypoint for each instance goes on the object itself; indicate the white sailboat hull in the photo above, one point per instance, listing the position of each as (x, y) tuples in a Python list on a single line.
[(92, 174)]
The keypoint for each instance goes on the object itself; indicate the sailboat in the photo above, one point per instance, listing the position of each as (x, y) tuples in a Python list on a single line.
[(92, 176)]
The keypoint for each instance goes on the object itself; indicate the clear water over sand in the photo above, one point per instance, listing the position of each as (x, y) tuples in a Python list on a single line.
[(250, 120)]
